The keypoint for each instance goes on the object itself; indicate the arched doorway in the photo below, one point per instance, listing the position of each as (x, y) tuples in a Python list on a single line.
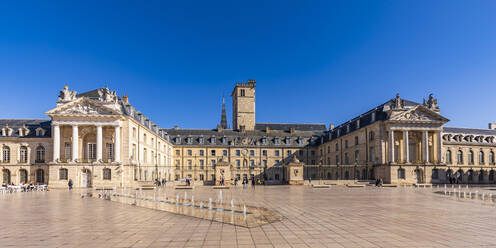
[(40, 176), (23, 176), (449, 176), (459, 176), (85, 178), (5, 176), (419, 175)]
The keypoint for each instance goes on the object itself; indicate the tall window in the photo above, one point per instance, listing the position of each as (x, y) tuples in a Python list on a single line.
[(40, 154), (471, 157), (202, 153), (110, 151), (202, 163), (276, 153), (371, 154), (491, 157), (401, 173), (213, 163), (252, 163), (68, 150), (238, 153), (213, 152), (356, 140), (23, 154), (337, 159), (337, 147), (371, 136), (460, 157), (435, 174), (133, 152), (224, 152), (107, 174), (238, 164), (63, 174), (190, 165), (357, 156), (145, 156), (252, 152), (448, 156), (91, 151), (481, 157), (242, 92), (264, 152), (346, 158), (345, 144)]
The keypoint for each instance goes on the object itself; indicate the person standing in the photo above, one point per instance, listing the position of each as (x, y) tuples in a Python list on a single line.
[(70, 184)]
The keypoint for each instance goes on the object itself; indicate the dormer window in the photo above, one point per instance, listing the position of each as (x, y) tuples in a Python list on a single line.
[(348, 128), (200, 140), (287, 141), (373, 116), (213, 140), (224, 140), (40, 132), (264, 141), (189, 140), (300, 142), (276, 141)]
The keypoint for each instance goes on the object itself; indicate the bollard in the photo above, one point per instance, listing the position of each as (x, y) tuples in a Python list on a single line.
[(483, 196)]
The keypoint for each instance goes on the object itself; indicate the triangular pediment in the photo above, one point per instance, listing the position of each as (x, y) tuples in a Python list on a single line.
[(419, 114), (82, 106)]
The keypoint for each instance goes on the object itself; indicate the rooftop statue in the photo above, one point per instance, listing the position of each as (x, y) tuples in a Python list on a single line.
[(65, 95)]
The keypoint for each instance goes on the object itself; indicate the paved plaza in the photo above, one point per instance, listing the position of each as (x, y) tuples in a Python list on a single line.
[(328, 217)]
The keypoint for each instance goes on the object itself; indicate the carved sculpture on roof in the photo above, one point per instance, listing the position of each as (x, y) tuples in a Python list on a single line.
[(109, 96), (65, 95), (398, 103), (431, 103)]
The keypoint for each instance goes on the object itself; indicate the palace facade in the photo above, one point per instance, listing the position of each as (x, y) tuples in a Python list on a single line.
[(99, 139)]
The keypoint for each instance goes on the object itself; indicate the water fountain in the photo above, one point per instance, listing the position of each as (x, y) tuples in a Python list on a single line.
[(232, 205), (244, 210), (491, 198), (464, 194), (220, 197), (177, 199), (476, 194), (185, 195), (209, 203), (193, 201), (483, 196), (470, 195)]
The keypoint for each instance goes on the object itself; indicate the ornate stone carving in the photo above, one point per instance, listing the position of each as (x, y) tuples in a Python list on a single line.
[(108, 96), (416, 116), (431, 103), (397, 102), (65, 95), (85, 109)]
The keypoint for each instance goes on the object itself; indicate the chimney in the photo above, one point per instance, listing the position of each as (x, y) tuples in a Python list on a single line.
[(176, 127), (125, 99), (492, 126), (331, 127), (267, 129)]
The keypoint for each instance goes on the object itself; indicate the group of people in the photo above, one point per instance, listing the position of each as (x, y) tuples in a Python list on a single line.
[(24, 187), (245, 182), (378, 182), (160, 182)]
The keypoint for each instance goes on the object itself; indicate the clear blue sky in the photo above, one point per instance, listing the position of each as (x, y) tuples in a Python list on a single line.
[(314, 61)]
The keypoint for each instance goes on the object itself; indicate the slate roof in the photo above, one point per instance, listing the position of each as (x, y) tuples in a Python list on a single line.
[(202, 137), (31, 124), (287, 127), (474, 131), (366, 119)]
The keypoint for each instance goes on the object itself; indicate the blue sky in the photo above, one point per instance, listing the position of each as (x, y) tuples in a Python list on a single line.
[(314, 61)]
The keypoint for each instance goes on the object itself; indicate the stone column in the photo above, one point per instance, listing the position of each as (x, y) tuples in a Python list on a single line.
[(117, 144), (405, 141), (75, 143), (56, 142), (391, 146), (425, 142), (440, 147), (99, 141)]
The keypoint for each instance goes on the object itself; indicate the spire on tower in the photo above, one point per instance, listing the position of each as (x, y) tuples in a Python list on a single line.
[(223, 119)]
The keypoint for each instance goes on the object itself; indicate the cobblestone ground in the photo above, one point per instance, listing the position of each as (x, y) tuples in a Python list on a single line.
[(333, 217)]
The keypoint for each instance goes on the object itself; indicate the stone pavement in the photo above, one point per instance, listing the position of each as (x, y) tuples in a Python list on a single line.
[(333, 217)]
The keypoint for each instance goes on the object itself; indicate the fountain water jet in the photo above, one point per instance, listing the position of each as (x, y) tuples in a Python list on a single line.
[(209, 203)]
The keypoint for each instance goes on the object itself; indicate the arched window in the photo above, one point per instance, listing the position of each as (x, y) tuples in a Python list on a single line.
[(448, 156), (481, 176), (460, 157), (23, 152), (435, 174), (371, 136), (471, 157), (481, 157), (491, 175), (346, 158), (40, 154), (491, 157), (63, 174), (6, 154), (23, 176)]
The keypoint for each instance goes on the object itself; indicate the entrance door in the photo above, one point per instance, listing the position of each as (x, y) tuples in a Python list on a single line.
[(40, 176), (85, 179), (418, 174)]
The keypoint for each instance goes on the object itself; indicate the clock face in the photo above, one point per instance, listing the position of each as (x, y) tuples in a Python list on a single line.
[(245, 151)]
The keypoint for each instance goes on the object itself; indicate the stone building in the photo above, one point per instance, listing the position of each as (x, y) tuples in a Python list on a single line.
[(99, 139)]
